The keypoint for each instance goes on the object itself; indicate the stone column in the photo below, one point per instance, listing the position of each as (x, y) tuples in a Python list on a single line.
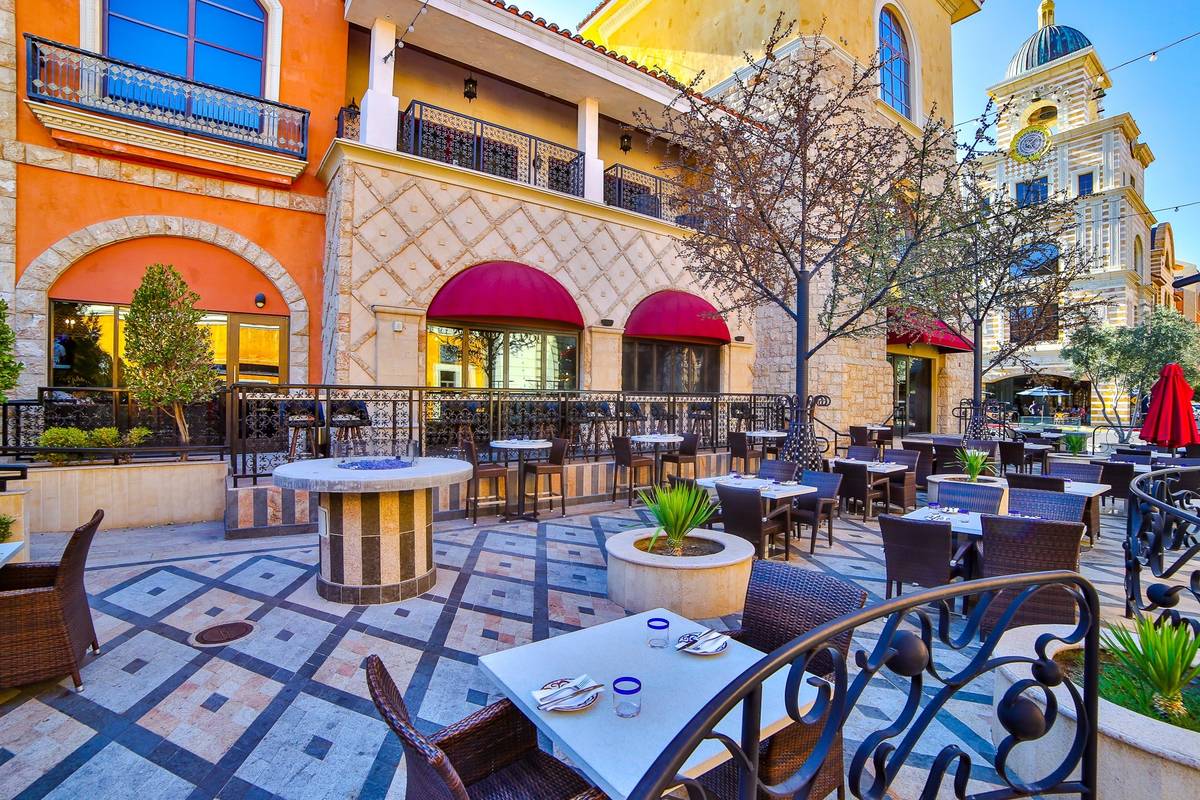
[(589, 142), (740, 377), (379, 118), (398, 346), (604, 361)]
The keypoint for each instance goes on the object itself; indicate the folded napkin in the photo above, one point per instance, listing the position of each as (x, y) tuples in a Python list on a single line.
[(540, 695), (709, 645)]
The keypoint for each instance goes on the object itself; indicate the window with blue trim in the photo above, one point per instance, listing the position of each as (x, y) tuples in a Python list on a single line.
[(895, 64), (1086, 181), (1034, 191), (218, 42)]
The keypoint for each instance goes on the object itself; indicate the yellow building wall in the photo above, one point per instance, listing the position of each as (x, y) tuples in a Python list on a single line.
[(686, 37)]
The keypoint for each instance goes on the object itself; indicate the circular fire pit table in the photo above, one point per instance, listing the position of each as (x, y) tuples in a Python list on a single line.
[(375, 523)]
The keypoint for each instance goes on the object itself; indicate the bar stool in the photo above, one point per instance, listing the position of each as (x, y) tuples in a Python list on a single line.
[(302, 417), (483, 472), (623, 458), (555, 464), (685, 455)]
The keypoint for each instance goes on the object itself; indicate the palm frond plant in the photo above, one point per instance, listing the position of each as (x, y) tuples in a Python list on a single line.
[(678, 510), (1076, 443), (1162, 655), (972, 462)]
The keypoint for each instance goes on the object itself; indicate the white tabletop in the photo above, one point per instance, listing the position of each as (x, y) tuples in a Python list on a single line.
[(9, 550), (966, 522), (616, 753), (878, 428), (768, 488), (1043, 434), (327, 475), (1038, 447), (765, 434), (1084, 488), (879, 467), (657, 438), (521, 444)]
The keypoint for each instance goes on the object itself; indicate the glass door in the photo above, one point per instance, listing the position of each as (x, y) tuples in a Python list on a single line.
[(258, 349), (912, 393)]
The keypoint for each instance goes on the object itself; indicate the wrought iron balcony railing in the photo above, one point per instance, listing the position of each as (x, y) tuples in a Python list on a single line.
[(1163, 539), (452, 138), (634, 190), (66, 75)]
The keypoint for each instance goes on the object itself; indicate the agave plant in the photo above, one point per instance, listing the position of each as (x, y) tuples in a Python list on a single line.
[(972, 462), (678, 510), (1162, 655), (1075, 443)]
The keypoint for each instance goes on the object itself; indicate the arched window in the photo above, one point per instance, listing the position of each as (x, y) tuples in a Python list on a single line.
[(1138, 256), (896, 64), (219, 42)]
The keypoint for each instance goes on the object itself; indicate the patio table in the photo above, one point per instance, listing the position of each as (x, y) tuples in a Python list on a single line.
[(876, 467), (769, 489), (1052, 435), (523, 447), (8, 551), (966, 523), (615, 753), (658, 440), (766, 436)]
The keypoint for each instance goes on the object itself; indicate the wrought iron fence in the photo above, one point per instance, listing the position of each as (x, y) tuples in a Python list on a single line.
[(452, 138), (903, 656), (65, 75), (1163, 537), (270, 425), (644, 193)]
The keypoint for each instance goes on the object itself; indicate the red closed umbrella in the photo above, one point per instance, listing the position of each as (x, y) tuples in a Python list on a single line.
[(1170, 421)]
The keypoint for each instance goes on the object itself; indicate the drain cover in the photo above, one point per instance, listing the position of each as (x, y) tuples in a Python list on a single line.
[(226, 632)]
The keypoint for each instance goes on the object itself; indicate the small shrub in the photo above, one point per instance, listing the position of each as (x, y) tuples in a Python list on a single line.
[(6, 524), (972, 462), (1076, 443), (678, 510), (134, 437), (1159, 654), (63, 437), (104, 437)]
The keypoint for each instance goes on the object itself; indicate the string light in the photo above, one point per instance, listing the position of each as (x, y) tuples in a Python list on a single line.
[(411, 27)]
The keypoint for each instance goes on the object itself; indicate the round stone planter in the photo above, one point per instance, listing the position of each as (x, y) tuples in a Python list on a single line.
[(933, 480), (697, 587), (1138, 756)]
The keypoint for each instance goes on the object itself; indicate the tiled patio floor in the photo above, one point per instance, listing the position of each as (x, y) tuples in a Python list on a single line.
[(285, 712)]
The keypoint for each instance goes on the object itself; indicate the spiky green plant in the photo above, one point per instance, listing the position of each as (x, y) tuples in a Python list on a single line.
[(1163, 655), (678, 510), (1075, 443), (972, 462)]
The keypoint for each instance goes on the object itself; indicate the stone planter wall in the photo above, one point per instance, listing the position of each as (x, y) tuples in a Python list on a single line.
[(13, 504)]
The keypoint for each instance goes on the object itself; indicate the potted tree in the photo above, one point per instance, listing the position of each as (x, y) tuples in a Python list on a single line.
[(676, 564)]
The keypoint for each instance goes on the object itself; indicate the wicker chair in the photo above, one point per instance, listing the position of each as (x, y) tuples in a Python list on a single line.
[(742, 515), (920, 551), (860, 452), (45, 621), (1022, 480), (1070, 470), (945, 453), (860, 486), (739, 448), (496, 473), (903, 484), (774, 469), (860, 436), (491, 755), (925, 463), (1011, 546), (555, 464), (812, 509), (981, 498), (1013, 454), (624, 459), (686, 454), (783, 602), (1131, 458), (1056, 506), (1117, 475)]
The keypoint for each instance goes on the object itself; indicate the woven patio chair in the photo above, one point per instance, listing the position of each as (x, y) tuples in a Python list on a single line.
[(555, 464), (1022, 480), (1013, 546), (496, 473), (774, 469), (1055, 506), (862, 452), (739, 450), (945, 453), (883, 439), (860, 436), (903, 485), (925, 463), (1131, 458), (1117, 475), (624, 459), (686, 454), (45, 621), (783, 602), (742, 515), (812, 509), (1084, 473), (492, 754), (860, 486), (1013, 454), (981, 498), (922, 552)]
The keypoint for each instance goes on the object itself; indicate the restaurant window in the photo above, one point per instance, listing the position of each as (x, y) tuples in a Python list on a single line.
[(500, 358), (1034, 191), (662, 366), (895, 72), (88, 345), (1086, 183), (1032, 325)]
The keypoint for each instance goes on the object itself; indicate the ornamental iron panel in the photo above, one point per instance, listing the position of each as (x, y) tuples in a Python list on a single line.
[(1163, 538), (644, 193)]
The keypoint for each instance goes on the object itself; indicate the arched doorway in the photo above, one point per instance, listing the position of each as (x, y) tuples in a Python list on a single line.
[(673, 343)]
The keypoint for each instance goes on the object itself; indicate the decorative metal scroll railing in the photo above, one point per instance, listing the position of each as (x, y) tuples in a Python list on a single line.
[(65, 75), (903, 656), (1163, 539), (644, 193), (452, 138)]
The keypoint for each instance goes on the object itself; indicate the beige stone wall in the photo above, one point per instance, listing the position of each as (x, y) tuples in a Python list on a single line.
[(953, 383), (8, 146)]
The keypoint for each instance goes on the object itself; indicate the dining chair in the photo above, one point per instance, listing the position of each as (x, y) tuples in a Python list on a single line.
[(492, 754), (860, 486), (686, 454), (925, 463), (774, 469), (981, 498), (1012, 545), (860, 452), (1074, 471), (813, 508), (1014, 454), (1023, 480), (1057, 506), (782, 603), (624, 458), (1116, 475), (742, 515), (945, 453), (555, 464), (903, 485), (860, 436), (1132, 458), (496, 473), (921, 552), (883, 438), (45, 620), (739, 449)]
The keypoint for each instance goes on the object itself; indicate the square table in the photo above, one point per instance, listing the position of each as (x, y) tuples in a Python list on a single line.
[(967, 523), (769, 489), (615, 753), (9, 550), (875, 467), (766, 436)]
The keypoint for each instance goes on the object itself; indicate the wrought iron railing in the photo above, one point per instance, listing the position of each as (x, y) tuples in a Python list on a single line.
[(644, 193), (905, 655), (452, 138), (1163, 537), (65, 75)]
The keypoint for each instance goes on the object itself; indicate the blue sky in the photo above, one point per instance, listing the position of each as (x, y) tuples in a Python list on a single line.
[(1164, 96)]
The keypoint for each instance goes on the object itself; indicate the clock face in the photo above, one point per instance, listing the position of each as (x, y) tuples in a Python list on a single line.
[(1031, 143)]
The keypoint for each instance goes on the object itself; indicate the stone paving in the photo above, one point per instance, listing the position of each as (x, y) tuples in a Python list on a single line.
[(285, 712)]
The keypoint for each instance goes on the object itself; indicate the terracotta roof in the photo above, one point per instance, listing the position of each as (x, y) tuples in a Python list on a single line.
[(599, 7)]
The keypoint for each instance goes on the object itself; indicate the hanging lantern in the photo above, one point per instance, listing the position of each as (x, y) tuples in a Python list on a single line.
[(626, 142), (470, 88)]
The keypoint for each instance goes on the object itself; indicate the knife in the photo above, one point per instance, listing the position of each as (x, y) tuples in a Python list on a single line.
[(707, 634), (549, 705), (563, 691)]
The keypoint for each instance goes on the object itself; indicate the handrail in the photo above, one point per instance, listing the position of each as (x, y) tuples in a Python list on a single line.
[(646, 193), (1162, 526), (65, 75)]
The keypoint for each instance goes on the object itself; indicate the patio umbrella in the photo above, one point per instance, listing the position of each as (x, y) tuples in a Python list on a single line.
[(1170, 421), (1044, 391)]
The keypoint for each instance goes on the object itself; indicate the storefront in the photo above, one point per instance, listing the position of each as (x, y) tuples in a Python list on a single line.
[(1066, 401), (917, 352), (673, 342)]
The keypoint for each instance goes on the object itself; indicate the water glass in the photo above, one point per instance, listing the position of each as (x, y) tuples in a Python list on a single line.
[(659, 632), (627, 697)]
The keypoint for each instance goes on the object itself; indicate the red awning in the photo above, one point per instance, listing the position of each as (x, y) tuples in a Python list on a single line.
[(671, 314), (934, 332), (505, 290)]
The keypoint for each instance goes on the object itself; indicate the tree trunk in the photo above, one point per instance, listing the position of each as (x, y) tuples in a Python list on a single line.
[(810, 455), (977, 424), (181, 424)]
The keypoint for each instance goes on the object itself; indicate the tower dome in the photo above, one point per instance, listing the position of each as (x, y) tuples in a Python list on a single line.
[(1050, 43)]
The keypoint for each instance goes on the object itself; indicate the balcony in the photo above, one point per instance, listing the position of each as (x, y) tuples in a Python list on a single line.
[(643, 193), (452, 138), (67, 76)]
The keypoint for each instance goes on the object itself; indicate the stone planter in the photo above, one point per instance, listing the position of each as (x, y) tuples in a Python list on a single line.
[(696, 587), (1138, 756), (933, 480)]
